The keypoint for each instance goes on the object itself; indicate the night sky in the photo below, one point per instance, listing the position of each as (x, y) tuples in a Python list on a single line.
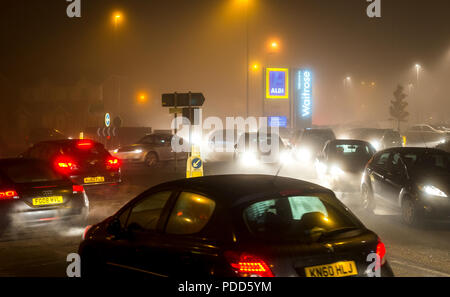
[(200, 45)]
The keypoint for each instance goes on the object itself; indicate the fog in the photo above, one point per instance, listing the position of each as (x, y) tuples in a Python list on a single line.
[(64, 65)]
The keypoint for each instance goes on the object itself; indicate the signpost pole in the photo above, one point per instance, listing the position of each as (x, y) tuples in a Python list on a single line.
[(175, 131)]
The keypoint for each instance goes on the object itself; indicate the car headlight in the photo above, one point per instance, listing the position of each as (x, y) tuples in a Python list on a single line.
[(376, 144), (432, 191), (336, 171), (115, 151), (249, 158), (304, 154), (286, 158)]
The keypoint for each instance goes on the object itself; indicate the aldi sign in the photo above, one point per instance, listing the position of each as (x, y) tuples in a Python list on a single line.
[(277, 83)]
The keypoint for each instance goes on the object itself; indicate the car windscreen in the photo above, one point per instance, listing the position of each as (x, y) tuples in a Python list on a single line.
[(439, 161), (30, 172), (350, 150), (297, 218)]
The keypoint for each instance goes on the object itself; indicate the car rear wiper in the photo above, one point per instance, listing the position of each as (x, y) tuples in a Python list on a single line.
[(337, 231), (321, 233)]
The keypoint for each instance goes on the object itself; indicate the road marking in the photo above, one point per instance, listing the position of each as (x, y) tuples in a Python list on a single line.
[(135, 269), (420, 268)]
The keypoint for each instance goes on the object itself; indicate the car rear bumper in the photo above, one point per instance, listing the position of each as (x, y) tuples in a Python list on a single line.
[(109, 178), (18, 215)]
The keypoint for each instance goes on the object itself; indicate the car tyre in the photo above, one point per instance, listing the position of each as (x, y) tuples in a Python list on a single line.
[(152, 160), (367, 199), (410, 213)]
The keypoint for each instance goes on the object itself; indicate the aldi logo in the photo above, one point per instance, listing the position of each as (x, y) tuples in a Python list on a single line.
[(277, 83)]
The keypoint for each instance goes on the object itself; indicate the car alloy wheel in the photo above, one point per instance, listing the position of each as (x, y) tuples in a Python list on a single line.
[(367, 201), (151, 160), (409, 212)]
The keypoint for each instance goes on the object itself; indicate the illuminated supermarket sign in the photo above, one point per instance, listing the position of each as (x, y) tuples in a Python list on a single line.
[(279, 121), (305, 95), (277, 83)]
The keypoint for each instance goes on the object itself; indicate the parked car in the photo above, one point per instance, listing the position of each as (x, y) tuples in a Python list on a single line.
[(232, 226), (152, 150), (413, 180), (425, 136), (380, 139)]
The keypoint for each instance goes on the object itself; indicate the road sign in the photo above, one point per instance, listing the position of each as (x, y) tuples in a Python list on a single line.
[(182, 99), (175, 110), (194, 167), (107, 120)]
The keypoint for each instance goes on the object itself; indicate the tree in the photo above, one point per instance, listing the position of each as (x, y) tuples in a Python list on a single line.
[(398, 106)]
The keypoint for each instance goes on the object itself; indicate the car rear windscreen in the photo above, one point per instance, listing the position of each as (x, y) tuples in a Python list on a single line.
[(297, 217), (351, 150), (30, 172), (95, 151)]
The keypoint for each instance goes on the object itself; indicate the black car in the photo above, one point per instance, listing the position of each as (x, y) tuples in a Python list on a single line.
[(309, 142), (84, 161), (341, 164), (415, 180), (232, 225), (33, 194)]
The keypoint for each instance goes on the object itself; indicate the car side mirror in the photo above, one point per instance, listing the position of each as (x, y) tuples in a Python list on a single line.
[(114, 227)]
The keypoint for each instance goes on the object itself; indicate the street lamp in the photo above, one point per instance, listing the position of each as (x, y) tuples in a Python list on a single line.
[(117, 19), (418, 68)]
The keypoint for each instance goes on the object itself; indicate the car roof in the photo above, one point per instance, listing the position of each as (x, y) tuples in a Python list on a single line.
[(235, 188), (348, 141)]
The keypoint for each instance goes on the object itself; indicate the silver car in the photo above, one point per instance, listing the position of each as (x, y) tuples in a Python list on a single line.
[(151, 150)]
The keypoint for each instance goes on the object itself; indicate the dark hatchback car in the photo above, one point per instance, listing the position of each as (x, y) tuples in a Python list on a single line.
[(232, 225), (84, 161), (34, 194), (415, 180), (341, 164)]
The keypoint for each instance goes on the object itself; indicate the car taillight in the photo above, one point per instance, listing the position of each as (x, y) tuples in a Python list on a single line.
[(8, 194), (77, 189), (83, 237), (381, 252), (113, 163), (65, 165), (247, 265)]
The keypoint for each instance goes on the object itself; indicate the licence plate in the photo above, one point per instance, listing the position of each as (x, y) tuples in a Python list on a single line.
[(338, 269), (47, 200), (97, 179)]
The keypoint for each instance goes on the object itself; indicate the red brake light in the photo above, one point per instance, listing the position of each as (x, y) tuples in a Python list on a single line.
[(113, 163), (246, 265), (85, 144), (65, 165), (8, 194), (381, 251), (77, 189)]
